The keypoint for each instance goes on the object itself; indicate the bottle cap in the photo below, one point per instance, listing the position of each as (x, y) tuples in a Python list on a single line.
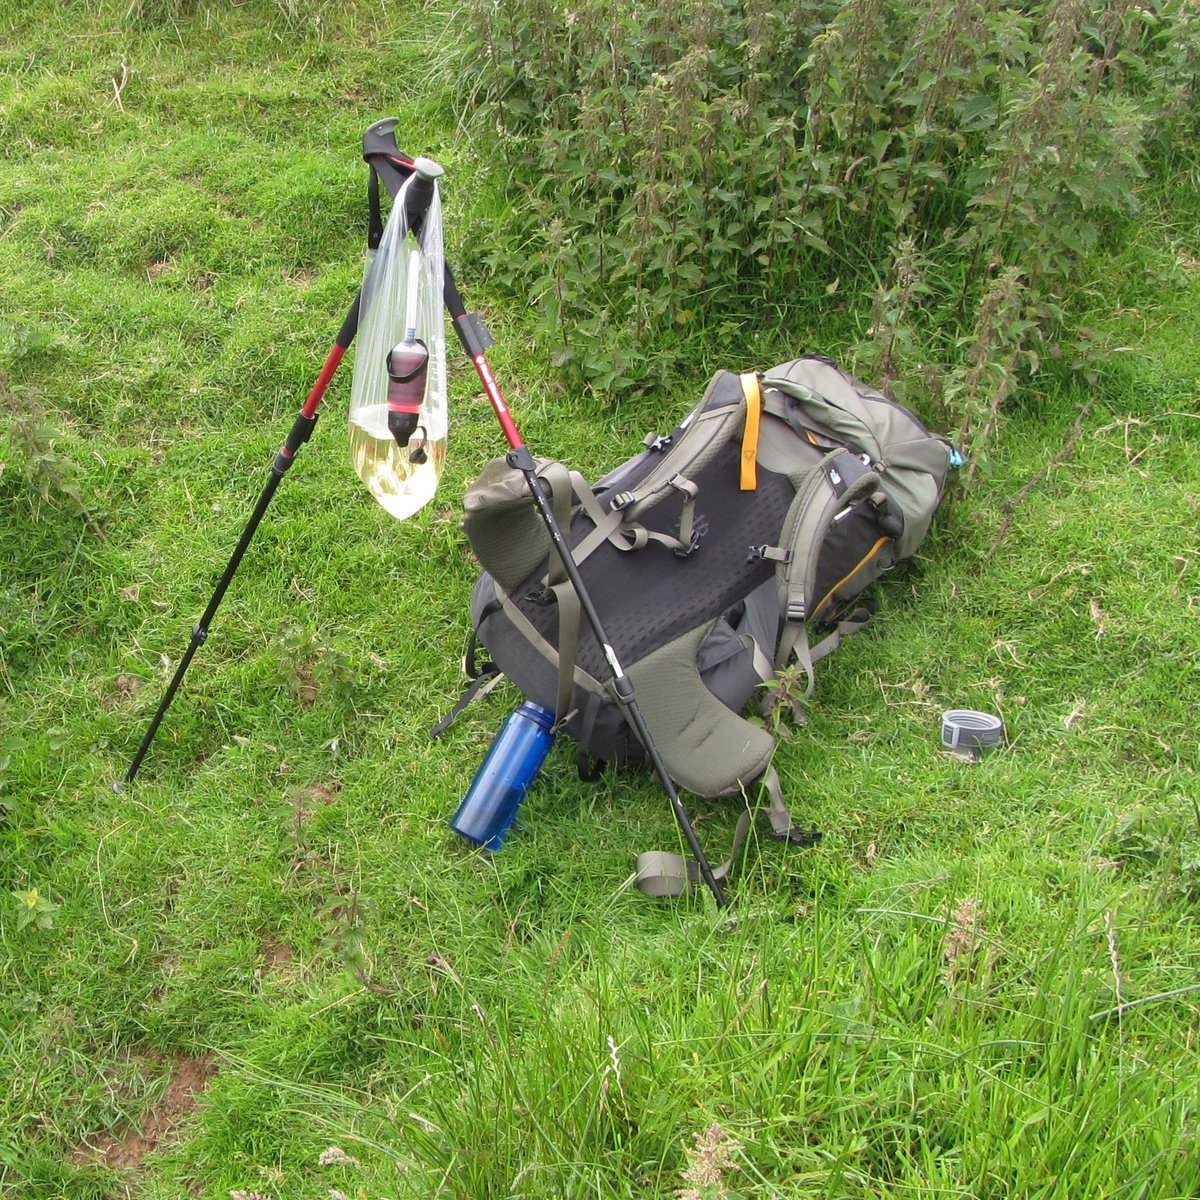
[(971, 733)]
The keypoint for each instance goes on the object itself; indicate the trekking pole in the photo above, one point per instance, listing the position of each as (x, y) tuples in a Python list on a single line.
[(380, 151), (475, 340), (416, 200)]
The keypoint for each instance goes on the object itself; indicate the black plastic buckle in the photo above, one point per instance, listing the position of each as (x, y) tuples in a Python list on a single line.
[(798, 837), (888, 517)]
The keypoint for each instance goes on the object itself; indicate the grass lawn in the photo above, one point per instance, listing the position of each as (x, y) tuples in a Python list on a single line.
[(268, 969)]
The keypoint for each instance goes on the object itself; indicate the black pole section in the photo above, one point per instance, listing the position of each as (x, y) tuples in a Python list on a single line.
[(200, 631), (475, 340), (300, 432), (622, 685)]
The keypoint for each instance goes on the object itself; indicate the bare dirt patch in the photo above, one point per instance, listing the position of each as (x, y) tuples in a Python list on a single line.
[(126, 691), (124, 1149), (275, 955)]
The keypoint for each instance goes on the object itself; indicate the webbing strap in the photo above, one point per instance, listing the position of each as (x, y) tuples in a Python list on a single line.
[(794, 640), (557, 480), (483, 675), (479, 686), (683, 543), (568, 645), (661, 873), (612, 528), (627, 534), (749, 468), (374, 212), (763, 667), (854, 622), (565, 486), (589, 769), (615, 527), (693, 450)]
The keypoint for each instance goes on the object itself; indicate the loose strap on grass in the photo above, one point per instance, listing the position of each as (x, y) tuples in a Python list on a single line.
[(479, 686), (794, 641), (483, 675), (661, 873)]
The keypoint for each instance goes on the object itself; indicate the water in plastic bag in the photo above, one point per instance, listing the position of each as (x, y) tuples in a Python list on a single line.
[(401, 297)]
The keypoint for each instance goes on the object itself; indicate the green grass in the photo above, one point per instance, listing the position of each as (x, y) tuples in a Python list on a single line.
[(914, 1007)]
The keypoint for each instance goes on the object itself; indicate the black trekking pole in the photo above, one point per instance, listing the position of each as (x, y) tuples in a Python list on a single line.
[(300, 432), (379, 150)]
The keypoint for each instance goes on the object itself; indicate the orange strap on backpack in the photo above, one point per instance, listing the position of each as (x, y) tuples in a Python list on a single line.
[(753, 394)]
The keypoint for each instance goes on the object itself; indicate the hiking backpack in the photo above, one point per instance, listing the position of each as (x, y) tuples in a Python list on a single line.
[(715, 557)]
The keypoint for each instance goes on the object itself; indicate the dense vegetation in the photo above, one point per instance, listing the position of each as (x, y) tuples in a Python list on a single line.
[(928, 179), (268, 970)]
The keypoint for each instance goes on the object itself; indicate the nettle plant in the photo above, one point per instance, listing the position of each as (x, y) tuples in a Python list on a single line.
[(926, 178), (310, 663)]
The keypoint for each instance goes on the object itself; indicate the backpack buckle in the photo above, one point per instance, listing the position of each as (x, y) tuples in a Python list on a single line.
[(694, 544), (797, 836), (891, 522), (797, 611), (773, 553)]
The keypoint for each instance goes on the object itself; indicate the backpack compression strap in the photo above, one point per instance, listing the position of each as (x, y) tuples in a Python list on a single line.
[(752, 391), (509, 540), (558, 479), (827, 491), (720, 416)]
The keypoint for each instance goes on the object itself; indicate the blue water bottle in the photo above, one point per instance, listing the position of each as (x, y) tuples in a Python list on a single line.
[(505, 775)]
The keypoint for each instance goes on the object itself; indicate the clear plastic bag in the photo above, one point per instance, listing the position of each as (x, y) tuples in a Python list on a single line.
[(401, 308)]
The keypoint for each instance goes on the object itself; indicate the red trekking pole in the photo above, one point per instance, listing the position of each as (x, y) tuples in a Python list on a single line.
[(379, 149), (417, 197), (414, 180)]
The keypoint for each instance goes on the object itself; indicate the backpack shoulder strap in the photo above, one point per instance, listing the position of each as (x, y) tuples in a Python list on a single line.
[(719, 416)]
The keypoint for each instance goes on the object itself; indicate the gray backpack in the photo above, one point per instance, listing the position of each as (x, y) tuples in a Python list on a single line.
[(719, 555)]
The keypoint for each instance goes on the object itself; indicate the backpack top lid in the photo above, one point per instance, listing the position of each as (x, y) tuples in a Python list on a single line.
[(817, 397)]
